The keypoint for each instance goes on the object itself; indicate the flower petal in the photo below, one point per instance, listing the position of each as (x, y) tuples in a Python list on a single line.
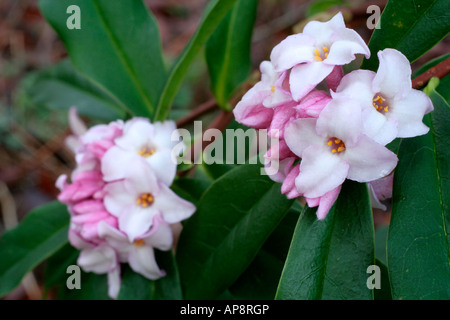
[(369, 160), (99, 260), (114, 282), (324, 202), (117, 198), (163, 165), (393, 78), (160, 235), (172, 207), (295, 49), (346, 44), (136, 221), (142, 260), (409, 113), (304, 77), (322, 31), (357, 85), (300, 134), (320, 172)]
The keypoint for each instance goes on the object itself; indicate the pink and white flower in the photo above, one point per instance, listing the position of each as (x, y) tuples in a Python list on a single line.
[(138, 198), (334, 148), (391, 107), (312, 55)]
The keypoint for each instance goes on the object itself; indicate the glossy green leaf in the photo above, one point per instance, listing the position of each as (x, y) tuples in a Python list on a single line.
[(384, 292), (228, 50), (234, 218), (136, 287), (317, 7), (118, 47), (214, 13), (260, 280), (328, 259), (418, 238), (41, 233), (93, 287), (411, 26), (56, 266), (61, 87)]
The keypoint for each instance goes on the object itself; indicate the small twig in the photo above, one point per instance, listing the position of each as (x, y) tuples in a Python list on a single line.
[(197, 112), (440, 70)]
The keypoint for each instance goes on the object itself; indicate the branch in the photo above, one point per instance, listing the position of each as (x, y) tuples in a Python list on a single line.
[(440, 70), (197, 112)]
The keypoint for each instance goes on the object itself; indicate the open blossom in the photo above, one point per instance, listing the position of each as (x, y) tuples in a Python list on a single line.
[(256, 107), (139, 197), (312, 55), (333, 148), (391, 107), (148, 141), (121, 206)]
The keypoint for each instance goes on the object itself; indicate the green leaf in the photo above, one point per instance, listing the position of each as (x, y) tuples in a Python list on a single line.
[(410, 26), (190, 189), (41, 233), (328, 259), (118, 47), (93, 287), (212, 16), (234, 218), (429, 65), (56, 266), (384, 293), (418, 238), (61, 87), (136, 287), (228, 50), (260, 280)]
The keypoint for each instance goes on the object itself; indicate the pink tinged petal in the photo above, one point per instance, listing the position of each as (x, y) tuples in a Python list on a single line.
[(140, 178), (393, 78), (322, 31), (313, 104), (268, 74), (90, 217), (117, 198), (88, 206), (288, 186), (115, 238), (334, 78), (304, 77), (369, 160), (357, 85), (163, 134), (324, 202), (341, 118), (374, 200), (73, 143), (115, 163), (320, 172), (88, 175), (136, 221), (142, 260), (378, 127), (77, 241), (300, 134), (136, 135), (409, 113), (383, 187), (284, 167), (86, 190), (101, 259), (346, 44), (293, 50), (61, 182), (163, 165), (76, 124), (160, 235), (114, 282), (171, 207), (253, 115), (281, 116)]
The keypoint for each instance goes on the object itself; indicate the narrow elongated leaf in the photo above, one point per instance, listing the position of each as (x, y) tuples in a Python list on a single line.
[(212, 16), (56, 266), (228, 50), (328, 259), (117, 46), (418, 238), (61, 87), (234, 218), (411, 26), (39, 235)]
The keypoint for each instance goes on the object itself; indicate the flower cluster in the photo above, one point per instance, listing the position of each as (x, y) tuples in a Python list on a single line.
[(119, 198), (332, 126)]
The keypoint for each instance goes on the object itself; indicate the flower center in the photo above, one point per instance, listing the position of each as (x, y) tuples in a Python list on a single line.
[(322, 54), (146, 151), (138, 243), (380, 104), (273, 89), (145, 200), (336, 145)]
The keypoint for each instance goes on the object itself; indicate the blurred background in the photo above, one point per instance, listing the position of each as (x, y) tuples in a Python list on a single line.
[(32, 134)]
